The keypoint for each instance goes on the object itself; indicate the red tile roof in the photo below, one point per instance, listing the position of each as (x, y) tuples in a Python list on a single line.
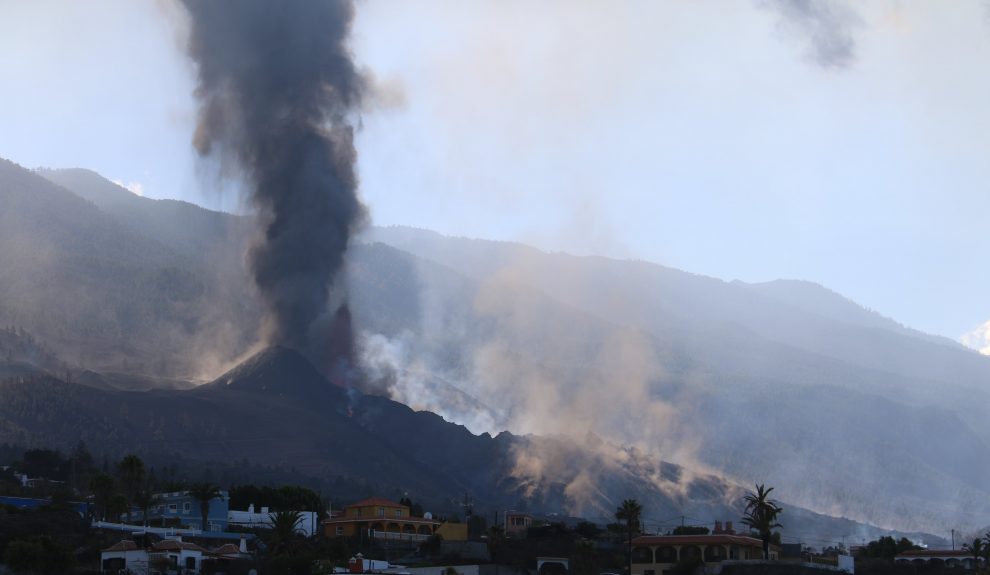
[(377, 502), (936, 553), (227, 549), (122, 545), (173, 545)]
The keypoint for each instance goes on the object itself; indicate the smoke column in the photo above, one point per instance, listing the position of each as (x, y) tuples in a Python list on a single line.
[(278, 94)]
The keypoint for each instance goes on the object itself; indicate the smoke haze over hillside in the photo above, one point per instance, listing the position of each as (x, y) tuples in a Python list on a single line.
[(829, 143)]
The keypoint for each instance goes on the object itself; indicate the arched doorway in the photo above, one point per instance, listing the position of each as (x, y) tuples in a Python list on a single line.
[(715, 554), (691, 553), (666, 554), (642, 555)]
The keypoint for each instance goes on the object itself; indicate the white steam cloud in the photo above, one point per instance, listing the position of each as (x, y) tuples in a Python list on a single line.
[(136, 188), (978, 339)]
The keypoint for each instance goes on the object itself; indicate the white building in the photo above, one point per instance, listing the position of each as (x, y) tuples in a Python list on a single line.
[(124, 555), (308, 524), (172, 555)]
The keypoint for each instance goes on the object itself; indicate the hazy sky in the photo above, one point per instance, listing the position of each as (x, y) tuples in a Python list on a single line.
[(746, 140)]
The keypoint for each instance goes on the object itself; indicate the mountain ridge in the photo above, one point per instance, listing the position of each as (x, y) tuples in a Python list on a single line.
[(503, 340)]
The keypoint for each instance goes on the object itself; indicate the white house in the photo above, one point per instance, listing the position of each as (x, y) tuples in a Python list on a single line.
[(187, 557), (124, 555), (308, 524), (172, 555)]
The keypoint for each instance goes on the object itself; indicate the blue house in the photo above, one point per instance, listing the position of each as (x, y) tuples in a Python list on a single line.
[(33, 503), (185, 507)]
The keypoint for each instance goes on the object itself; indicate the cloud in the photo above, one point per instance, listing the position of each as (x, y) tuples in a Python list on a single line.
[(978, 339), (827, 26), (136, 188)]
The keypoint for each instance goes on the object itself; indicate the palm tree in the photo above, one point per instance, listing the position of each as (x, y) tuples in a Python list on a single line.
[(761, 515), (117, 507), (204, 493), (130, 471), (978, 549), (102, 486), (629, 512), (146, 499), (285, 528)]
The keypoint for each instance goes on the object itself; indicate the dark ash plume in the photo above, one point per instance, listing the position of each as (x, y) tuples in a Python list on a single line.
[(827, 25), (278, 94)]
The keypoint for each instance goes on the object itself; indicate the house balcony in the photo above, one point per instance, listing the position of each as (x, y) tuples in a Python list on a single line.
[(395, 536)]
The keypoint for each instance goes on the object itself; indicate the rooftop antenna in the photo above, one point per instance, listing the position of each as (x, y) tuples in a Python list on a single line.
[(467, 504)]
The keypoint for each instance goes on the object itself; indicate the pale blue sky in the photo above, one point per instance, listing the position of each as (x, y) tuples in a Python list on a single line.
[(702, 135)]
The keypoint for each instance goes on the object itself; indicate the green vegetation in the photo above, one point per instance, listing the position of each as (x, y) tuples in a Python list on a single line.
[(629, 513), (978, 549), (38, 555), (284, 532), (145, 498), (130, 473)]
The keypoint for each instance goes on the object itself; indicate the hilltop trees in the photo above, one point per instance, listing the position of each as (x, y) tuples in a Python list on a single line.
[(761, 515), (66, 479), (887, 547), (37, 555)]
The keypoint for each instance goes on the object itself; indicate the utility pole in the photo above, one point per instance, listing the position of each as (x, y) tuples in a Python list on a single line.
[(953, 539)]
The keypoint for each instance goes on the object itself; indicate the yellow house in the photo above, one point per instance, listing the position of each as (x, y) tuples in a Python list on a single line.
[(654, 555), (453, 531), (383, 519)]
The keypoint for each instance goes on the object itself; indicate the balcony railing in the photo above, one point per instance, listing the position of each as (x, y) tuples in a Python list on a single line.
[(394, 536)]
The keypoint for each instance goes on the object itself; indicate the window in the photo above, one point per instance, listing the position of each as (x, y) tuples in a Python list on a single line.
[(173, 507), (398, 513), (340, 531), (191, 564), (381, 512), (186, 507)]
